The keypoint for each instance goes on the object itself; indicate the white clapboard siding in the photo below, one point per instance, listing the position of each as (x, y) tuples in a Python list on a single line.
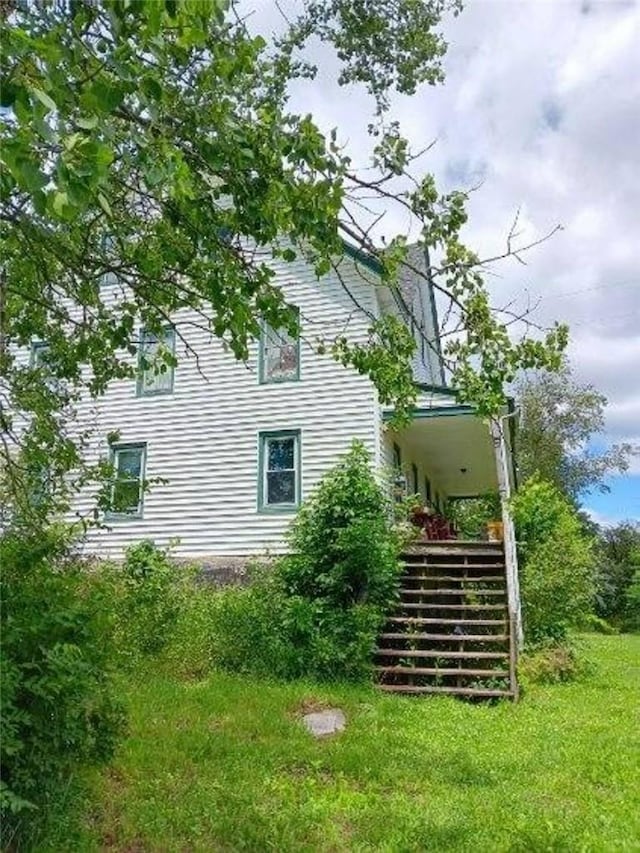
[(203, 438)]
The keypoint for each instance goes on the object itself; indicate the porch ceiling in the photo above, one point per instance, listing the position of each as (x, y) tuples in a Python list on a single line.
[(456, 447)]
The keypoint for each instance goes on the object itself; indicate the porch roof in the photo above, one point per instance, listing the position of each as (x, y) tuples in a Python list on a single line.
[(455, 443)]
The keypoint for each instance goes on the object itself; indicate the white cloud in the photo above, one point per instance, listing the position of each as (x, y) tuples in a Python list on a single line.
[(541, 103)]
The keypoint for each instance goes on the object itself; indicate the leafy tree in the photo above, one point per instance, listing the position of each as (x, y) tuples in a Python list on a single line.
[(558, 419), (618, 562), (557, 561), (152, 142)]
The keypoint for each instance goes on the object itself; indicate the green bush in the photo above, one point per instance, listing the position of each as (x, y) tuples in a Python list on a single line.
[(151, 592), (317, 612), (343, 548), (631, 621), (470, 515), (596, 625), (557, 562), (58, 706), (552, 664)]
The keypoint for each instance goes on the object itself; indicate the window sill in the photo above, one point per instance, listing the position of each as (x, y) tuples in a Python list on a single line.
[(152, 394), (277, 510), (279, 381), (122, 516)]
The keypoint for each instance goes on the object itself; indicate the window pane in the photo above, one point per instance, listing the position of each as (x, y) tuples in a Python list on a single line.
[(281, 487), (280, 454), (40, 354), (126, 496), (129, 463), (280, 353), (157, 376)]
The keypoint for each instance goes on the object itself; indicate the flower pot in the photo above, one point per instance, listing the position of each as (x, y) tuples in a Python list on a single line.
[(495, 531)]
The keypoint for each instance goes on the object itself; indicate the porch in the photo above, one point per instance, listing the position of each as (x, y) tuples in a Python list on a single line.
[(459, 602), (448, 453)]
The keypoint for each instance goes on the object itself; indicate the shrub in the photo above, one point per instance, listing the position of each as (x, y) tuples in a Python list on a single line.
[(557, 562), (470, 515), (631, 621), (58, 710), (343, 549), (595, 625), (152, 591), (552, 664), (317, 612)]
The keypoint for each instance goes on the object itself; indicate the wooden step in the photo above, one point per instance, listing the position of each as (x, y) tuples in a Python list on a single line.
[(480, 692), (433, 549), (415, 564), (456, 607), (466, 673), (455, 578), (452, 543), (444, 655), (432, 620), (451, 638), (488, 592), (407, 605)]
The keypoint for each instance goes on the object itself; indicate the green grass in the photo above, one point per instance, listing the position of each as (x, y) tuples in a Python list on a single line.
[(225, 765)]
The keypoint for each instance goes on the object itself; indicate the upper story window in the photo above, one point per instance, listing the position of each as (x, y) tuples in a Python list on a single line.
[(39, 353), (155, 374), (128, 461), (279, 470), (109, 245), (279, 354)]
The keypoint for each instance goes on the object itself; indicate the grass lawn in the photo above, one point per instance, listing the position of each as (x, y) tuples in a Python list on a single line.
[(224, 764)]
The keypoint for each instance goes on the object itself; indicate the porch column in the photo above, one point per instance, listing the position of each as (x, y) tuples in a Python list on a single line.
[(502, 456)]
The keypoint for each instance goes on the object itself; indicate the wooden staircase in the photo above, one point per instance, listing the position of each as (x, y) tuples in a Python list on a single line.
[(450, 632)]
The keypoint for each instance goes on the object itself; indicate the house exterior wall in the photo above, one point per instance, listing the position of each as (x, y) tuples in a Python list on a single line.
[(203, 437)]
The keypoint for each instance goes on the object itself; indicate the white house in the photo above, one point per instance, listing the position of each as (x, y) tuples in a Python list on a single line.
[(240, 446)]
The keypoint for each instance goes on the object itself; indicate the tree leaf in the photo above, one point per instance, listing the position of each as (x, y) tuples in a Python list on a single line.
[(44, 99)]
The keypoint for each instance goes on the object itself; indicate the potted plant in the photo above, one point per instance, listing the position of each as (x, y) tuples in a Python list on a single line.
[(495, 526)]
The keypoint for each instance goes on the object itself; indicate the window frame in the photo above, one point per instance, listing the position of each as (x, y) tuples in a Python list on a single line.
[(36, 347), (263, 438), (162, 392), (114, 449), (263, 379)]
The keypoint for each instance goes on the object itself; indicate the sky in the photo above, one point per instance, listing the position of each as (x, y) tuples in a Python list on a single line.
[(540, 111)]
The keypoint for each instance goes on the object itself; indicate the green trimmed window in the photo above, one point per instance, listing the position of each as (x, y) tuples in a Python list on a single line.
[(127, 489), (108, 246), (427, 489), (39, 352), (279, 471), (414, 477), (155, 373), (279, 354)]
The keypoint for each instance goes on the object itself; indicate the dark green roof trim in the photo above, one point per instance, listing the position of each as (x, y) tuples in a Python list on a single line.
[(438, 389), (436, 412), (362, 257), (434, 312)]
